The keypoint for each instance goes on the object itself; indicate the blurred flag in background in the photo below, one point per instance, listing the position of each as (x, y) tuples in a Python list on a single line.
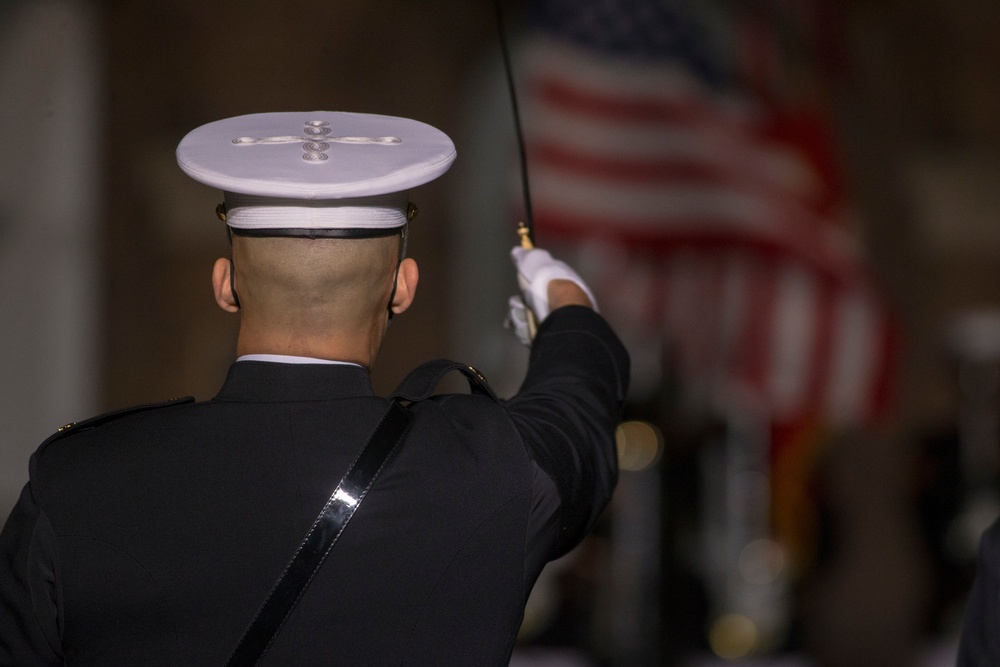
[(713, 216), (684, 152)]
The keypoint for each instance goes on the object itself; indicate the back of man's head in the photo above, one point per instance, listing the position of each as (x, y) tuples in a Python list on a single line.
[(316, 203), (314, 287)]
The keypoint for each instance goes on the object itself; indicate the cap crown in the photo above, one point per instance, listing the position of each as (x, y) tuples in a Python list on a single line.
[(315, 155)]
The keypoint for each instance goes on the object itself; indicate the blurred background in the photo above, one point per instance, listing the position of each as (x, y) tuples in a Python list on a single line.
[(788, 208)]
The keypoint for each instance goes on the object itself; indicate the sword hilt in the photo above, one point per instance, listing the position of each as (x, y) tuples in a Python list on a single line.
[(525, 233)]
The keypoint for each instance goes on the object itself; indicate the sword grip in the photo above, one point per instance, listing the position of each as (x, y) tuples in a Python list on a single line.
[(525, 233)]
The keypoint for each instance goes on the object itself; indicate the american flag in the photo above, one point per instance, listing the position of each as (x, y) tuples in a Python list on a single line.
[(703, 217)]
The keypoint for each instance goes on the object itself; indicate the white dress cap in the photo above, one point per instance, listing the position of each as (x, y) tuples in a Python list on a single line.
[(292, 172)]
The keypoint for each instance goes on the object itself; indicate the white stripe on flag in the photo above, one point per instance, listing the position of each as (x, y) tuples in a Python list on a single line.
[(855, 358), (624, 77), (793, 343)]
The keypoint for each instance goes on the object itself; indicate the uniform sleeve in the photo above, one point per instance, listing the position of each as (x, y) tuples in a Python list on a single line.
[(980, 642), (566, 412), (29, 587)]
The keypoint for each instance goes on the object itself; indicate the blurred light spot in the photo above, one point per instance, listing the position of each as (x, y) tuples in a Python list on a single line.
[(639, 445), (761, 561), (733, 636)]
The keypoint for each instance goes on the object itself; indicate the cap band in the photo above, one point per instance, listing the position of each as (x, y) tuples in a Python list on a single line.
[(250, 212), (293, 232)]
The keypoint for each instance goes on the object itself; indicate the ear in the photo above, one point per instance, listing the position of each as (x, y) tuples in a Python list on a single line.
[(222, 286), (406, 285)]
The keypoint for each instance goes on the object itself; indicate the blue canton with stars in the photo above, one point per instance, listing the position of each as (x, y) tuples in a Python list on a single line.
[(649, 30)]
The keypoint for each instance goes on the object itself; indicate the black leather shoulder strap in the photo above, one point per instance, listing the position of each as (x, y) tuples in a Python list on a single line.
[(320, 539), (422, 380), (339, 509)]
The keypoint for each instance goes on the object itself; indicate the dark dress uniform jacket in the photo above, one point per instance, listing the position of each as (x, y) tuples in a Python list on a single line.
[(980, 641), (151, 537)]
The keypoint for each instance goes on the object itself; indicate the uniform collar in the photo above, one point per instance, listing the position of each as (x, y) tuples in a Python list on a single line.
[(260, 381), (290, 359)]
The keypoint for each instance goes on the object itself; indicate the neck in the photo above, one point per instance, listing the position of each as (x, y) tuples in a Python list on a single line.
[(360, 349)]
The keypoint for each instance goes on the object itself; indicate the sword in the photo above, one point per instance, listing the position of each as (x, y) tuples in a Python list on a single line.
[(526, 227)]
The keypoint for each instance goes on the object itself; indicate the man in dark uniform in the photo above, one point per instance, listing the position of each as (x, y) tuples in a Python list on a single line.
[(152, 536), (980, 640)]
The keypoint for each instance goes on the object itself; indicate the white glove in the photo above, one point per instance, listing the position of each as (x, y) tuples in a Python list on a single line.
[(535, 270), (517, 319)]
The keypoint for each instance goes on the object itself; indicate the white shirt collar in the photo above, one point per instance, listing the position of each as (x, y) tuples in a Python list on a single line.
[(288, 359)]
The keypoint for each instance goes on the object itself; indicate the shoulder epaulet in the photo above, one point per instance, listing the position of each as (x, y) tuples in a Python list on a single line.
[(106, 417)]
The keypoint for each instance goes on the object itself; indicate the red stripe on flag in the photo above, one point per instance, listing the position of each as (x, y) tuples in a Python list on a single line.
[(669, 169), (881, 392), (630, 170), (672, 171), (609, 105)]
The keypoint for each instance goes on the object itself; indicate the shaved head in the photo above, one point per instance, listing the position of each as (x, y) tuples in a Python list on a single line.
[(314, 286)]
